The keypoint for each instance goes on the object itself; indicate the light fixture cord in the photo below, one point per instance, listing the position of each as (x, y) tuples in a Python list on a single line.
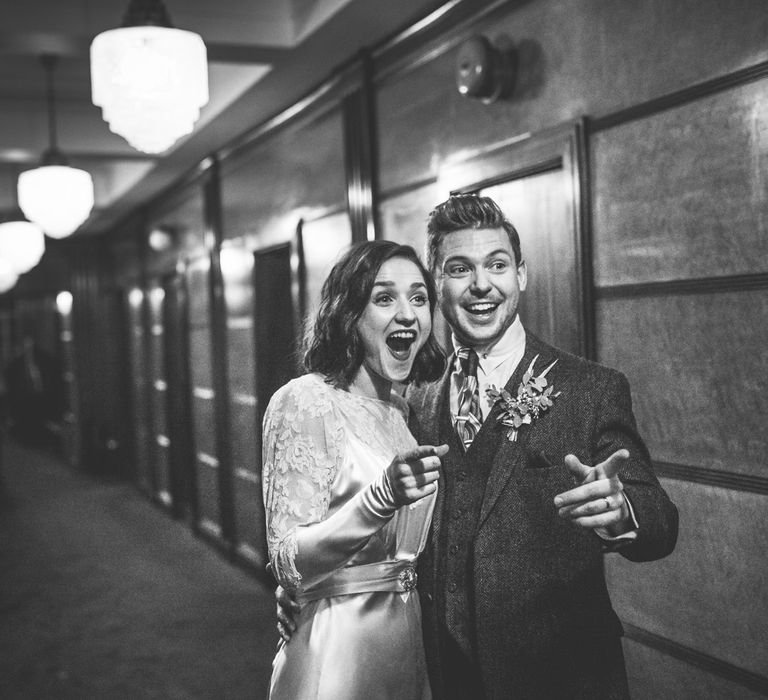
[(49, 63), (146, 13)]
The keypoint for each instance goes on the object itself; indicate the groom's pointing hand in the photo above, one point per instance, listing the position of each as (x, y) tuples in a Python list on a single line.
[(598, 501)]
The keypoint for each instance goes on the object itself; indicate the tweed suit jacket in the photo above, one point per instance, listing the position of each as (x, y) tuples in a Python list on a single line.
[(542, 619)]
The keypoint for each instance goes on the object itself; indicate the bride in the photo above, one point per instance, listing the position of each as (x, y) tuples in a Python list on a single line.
[(348, 494)]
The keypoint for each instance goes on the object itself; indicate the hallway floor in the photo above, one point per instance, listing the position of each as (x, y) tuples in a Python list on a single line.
[(102, 595)]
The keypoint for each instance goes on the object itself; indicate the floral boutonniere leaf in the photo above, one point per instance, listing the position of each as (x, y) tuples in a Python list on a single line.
[(534, 396)]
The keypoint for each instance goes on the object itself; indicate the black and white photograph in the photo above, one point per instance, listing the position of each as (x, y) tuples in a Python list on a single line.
[(365, 350)]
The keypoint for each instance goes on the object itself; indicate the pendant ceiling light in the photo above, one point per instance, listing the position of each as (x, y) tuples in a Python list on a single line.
[(55, 196), (8, 277), (22, 243), (149, 79)]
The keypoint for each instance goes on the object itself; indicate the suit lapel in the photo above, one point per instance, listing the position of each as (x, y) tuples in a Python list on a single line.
[(509, 456)]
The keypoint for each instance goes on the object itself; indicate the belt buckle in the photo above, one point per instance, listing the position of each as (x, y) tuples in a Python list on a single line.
[(408, 578)]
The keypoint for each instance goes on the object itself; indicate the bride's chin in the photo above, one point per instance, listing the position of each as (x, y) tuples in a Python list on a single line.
[(401, 374)]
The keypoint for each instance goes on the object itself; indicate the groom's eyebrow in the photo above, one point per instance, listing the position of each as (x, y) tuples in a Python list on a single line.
[(497, 252)]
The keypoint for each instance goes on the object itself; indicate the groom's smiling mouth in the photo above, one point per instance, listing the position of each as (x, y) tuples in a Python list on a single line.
[(482, 309), (400, 343)]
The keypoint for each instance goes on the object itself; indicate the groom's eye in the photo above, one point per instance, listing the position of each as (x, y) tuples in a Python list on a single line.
[(458, 270)]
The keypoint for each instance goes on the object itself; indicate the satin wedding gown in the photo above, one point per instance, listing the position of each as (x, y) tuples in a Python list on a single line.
[(337, 540)]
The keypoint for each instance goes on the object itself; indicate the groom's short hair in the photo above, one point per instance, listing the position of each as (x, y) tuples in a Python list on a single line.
[(462, 211)]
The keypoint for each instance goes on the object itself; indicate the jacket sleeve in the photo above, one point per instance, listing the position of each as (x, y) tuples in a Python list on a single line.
[(656, 515)]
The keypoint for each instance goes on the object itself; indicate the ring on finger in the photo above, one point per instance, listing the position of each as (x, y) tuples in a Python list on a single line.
[(608, 505)]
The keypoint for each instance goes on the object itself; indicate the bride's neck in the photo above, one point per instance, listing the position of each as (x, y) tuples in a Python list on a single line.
[(367, 383)]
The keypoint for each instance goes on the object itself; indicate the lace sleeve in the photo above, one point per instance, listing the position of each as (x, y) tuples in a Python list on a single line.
[(300, 461)]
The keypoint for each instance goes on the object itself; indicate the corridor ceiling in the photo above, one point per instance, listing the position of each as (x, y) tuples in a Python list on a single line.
[(263, 55)]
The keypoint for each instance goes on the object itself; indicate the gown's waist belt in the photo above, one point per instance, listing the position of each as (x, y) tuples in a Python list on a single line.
[(392, 576)]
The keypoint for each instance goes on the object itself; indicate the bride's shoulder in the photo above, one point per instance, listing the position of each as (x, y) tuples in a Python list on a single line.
[(309, 394)]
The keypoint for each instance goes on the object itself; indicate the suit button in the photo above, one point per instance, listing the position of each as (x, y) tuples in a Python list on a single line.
[(454, 549), (452, 587), (461, 476)]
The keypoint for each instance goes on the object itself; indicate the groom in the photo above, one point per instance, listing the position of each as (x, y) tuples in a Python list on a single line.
[(538, 484)]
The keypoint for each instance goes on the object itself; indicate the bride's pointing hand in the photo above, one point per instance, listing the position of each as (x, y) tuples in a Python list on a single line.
[(412, 476)]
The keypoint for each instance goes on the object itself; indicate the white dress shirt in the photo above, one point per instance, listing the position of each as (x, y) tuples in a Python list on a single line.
[(495, 366)]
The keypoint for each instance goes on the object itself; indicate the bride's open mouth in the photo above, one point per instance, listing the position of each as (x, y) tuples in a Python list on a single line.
[(400, 342)]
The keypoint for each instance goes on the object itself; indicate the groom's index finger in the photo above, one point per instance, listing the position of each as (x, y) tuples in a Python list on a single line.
[(610, 467)]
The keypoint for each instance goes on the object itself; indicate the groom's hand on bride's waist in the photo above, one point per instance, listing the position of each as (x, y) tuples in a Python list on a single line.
[(287, 610)]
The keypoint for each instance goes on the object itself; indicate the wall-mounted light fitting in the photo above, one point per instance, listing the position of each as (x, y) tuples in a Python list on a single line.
[(161, 238), (485, 71)]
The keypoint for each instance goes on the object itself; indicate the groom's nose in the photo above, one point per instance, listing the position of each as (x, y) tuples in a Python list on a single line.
[(481, 283)]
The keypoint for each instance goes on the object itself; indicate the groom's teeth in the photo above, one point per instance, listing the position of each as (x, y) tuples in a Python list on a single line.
[(481, 308)]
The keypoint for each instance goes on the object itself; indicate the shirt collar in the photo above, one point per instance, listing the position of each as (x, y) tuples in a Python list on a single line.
[(505, 347)]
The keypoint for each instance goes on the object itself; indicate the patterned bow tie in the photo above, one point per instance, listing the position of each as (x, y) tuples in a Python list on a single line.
[(468, 418)]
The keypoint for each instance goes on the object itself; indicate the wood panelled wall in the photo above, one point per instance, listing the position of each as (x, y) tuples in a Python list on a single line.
[(676, 203), (664, 193)]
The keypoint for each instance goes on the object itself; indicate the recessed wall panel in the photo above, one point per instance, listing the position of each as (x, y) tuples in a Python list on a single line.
[(198, 289), (201, 368), (684, 194), (204, 418), (654, 675), (245, 443), (140, 390), (242, 357), (698, 367), (296, 173), (208, 510), (404, 216), (710, 593), (325, 240), (250, 511)]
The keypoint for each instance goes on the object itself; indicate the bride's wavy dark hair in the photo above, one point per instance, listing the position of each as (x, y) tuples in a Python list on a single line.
[(334, 346)]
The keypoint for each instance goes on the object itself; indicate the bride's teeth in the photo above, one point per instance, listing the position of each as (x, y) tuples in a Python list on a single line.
[(401, 341)]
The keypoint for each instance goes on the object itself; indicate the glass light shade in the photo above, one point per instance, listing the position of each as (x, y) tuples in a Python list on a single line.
[(22, 244), (150, 83), (56, 197), (8, 277)]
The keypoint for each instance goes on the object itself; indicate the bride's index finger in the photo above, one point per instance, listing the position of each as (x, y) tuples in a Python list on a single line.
[(421, 451)]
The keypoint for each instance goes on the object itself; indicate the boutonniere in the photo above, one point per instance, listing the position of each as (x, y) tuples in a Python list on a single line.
[(534, 396)]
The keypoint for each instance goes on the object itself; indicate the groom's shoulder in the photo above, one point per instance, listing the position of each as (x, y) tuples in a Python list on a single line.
[(575, 366), (420, 396)]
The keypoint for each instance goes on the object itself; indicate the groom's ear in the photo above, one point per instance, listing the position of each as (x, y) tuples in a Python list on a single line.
[(522, 275)]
